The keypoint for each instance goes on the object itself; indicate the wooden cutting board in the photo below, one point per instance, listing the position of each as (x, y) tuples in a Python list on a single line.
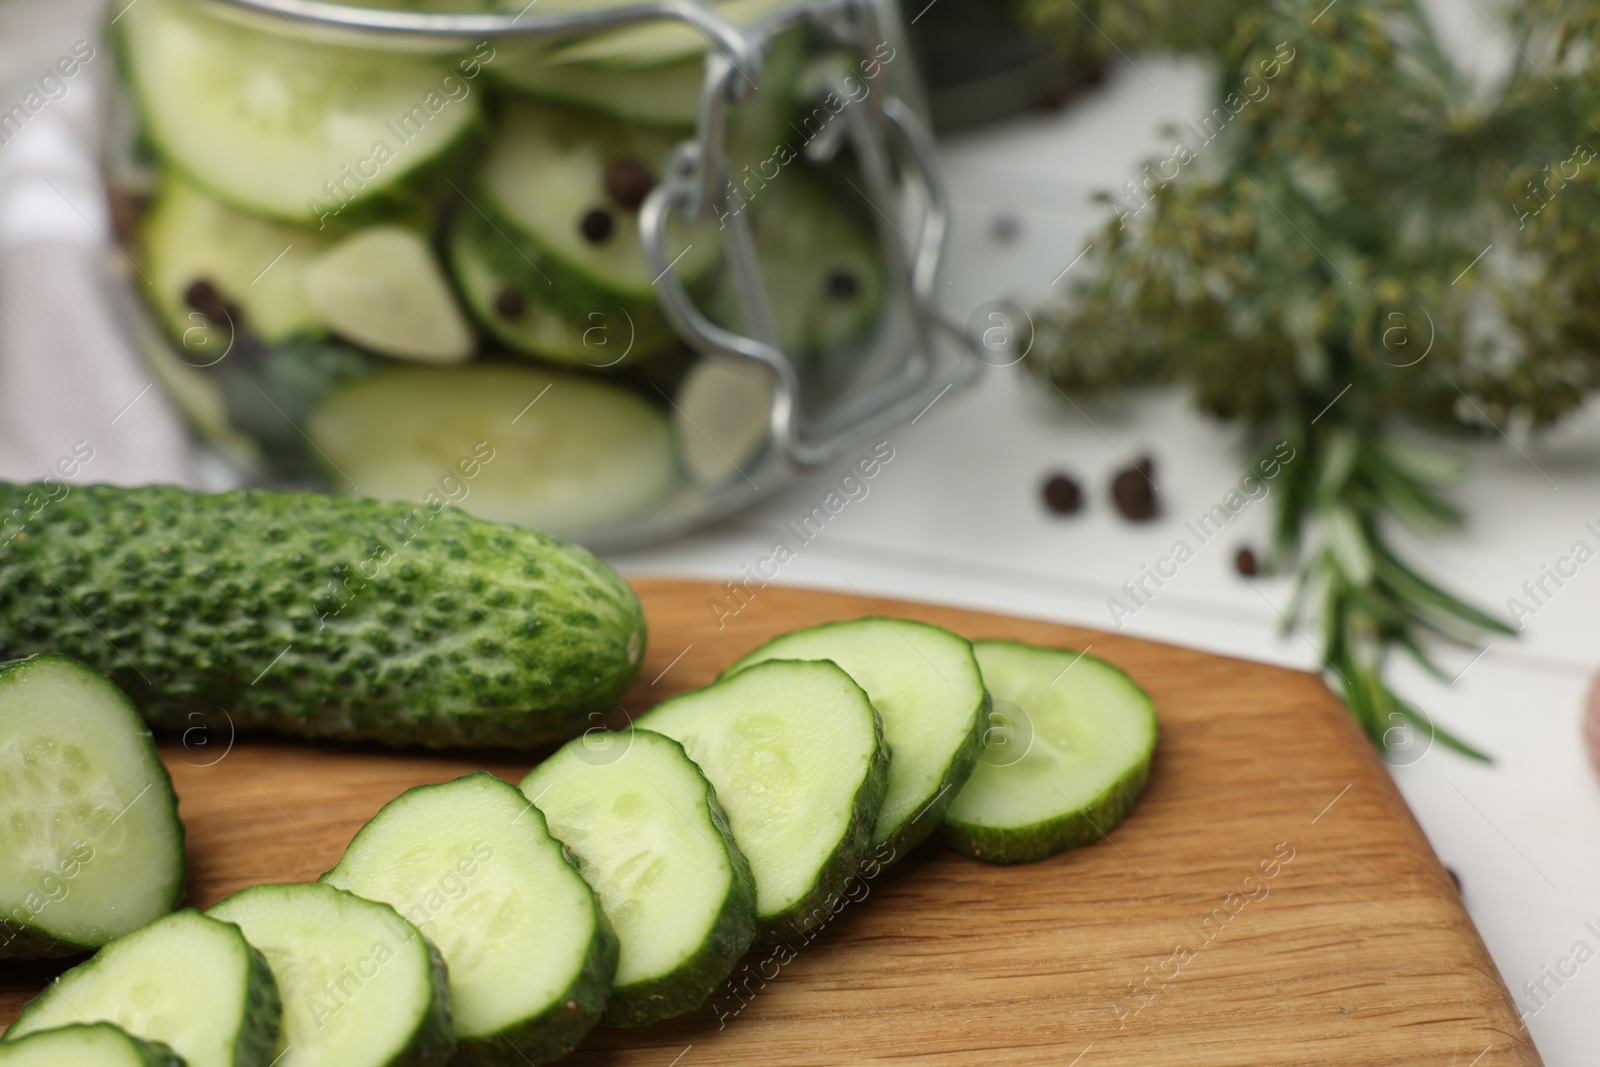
[(1270, 901)]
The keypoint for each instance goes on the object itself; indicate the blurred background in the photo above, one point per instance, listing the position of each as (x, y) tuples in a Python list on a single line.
[(1320, 279)]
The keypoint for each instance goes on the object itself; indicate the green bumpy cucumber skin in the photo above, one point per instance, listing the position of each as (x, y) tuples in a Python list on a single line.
[(1050, 837), (258, 1041), (258, 1037), (818, 906), (316, 616), (434, 1042), (144, 1053), (688, 987), (22, 941)]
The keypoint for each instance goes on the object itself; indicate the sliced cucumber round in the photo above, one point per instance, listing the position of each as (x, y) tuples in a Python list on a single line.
[(188, 981), (513, 301), (925, 683), (666, 96), (663, 42), (203, 258), (546, 174), (650, 837), (471, 864), (796, 755), (824, 271), (100, 1045), (724, 418), (277, 125), (653, 93), (360, 986), (89, 828), (569, 453), (1068, 749), (382, 289)]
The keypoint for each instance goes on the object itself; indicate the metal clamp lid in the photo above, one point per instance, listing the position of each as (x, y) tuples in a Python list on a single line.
[(887, 138)]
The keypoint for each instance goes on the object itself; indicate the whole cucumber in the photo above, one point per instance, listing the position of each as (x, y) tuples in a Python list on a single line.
[(317, 616)]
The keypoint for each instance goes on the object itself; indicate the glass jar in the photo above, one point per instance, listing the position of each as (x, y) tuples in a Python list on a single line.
[(610, 270)]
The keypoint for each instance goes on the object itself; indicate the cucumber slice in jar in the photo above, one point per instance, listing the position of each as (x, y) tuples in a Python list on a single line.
[(724, 418), (381, 288), (278, 125), (216, 274), (653, 93), (360, 986), (99, 1045), (1068, 753), (511, 298), (925, 683), (188, 981), (471, 864), (650, 837), (796, 755), (665, 41), (88, 821), (558, 452), (825, 275), (666, 96), (572, 181)]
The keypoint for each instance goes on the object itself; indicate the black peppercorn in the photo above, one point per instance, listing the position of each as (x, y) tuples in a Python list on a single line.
[(597, 225), (204, 298), (1134, 492), (628, 182), (842, 285), (510, 304), (1062, 495), (1244, 561)]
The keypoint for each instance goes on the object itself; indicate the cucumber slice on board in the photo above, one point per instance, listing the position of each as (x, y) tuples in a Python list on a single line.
[(188, 981), (724, 419), (89, 828), (796, 755), (825, 273), (1068, 753), (100, 1045), (650, 837), (472, 865), (510, 297), (382, 288), (568, 453), (276, 125), (546, 175), (925, 683), (201, 255), (360, 986)]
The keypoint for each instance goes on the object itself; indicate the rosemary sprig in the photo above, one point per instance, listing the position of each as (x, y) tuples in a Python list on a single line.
[(1337, 498)]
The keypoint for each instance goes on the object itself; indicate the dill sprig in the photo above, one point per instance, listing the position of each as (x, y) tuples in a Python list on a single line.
[(1358, 243)]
